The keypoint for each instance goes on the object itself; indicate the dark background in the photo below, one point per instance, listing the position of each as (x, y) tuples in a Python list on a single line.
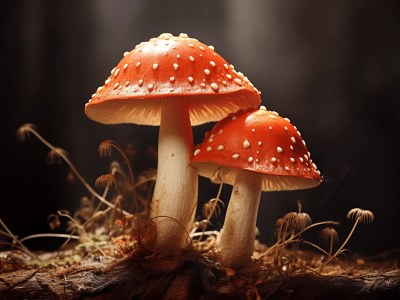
[(332, 67)]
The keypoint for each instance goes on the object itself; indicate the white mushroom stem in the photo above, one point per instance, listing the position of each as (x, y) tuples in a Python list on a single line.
[(175, 195), (239, 230)]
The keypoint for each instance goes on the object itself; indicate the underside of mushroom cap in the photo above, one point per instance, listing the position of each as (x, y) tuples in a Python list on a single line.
[(270, 182), (202, 108)]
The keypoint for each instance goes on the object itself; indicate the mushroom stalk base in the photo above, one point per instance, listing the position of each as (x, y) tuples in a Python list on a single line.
[(239, 230), (175, 196)]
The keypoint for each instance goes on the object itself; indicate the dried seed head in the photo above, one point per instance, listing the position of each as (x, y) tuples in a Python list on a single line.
[(105, 148), (362, 215), (302, 220), (213, 207), (54, 221), (55, 156), (279, 223), (115, 167), (329, 235), (25, 130), (288, 220), (297, 220), (105, 180)]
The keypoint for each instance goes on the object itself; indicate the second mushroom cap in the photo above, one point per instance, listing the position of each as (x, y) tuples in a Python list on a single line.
[(261, 141)]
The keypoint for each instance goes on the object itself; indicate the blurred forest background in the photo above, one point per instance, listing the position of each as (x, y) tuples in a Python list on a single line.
[(332, 67)]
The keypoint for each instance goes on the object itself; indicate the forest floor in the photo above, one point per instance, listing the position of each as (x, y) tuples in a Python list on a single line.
[(192, 275)]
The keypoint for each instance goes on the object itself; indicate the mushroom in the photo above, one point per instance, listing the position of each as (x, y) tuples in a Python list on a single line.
[(173, 82), (254, 150)]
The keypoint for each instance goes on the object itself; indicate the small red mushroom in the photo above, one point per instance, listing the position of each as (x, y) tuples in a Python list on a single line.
[(173, 82), (254, 150)]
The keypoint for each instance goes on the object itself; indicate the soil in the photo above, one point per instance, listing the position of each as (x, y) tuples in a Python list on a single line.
[(192, 275)]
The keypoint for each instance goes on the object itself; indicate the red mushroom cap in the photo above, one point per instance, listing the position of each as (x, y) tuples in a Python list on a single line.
[(171, 69), (260, 141)]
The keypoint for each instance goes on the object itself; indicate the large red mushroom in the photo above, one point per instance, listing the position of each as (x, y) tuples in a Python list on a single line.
[(254, 150), (173, 82)]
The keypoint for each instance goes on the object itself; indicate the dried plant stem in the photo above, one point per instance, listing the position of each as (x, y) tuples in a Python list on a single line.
[(17, 241), (316, 247), (132, 181), (296, 236), (212, 211), (338, 251), (84, 233), (50, 235), (91, 219), (75, 171)]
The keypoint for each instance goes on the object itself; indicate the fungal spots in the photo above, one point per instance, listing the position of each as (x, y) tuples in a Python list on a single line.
[(150, 86), (214, 86), (235, 156), (259, 143), (246, 144), (207, 72), (209, 148), (190, 79), (116, 85), (250, 159), (176, 66), (191, 58), (196, 152), (140, 82), (212, 64), (238, 81), (220, 147), (116, 72), (155, 67), (273, 159), (279, 149), (293, 140), (138, 64), (125, 67), (292, 160), (229, 76)]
